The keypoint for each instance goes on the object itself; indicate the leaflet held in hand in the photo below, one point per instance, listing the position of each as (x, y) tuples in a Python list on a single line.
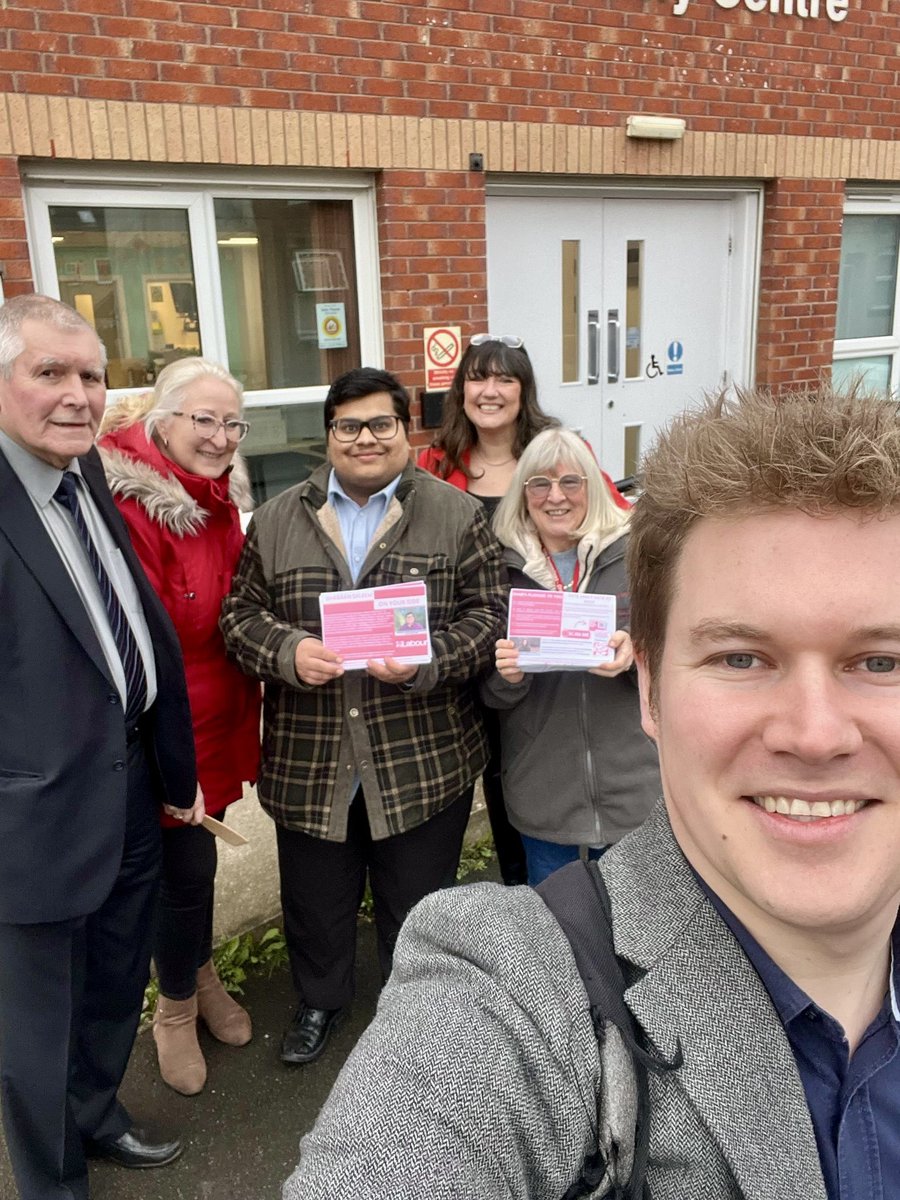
[(561, 631), (379, 622)]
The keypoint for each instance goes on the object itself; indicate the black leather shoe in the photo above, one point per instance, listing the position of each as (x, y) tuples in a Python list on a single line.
[(307, 1035), (138, 1148)]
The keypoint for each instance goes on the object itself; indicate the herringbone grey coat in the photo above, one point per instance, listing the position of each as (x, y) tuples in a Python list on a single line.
[(478, 1078)]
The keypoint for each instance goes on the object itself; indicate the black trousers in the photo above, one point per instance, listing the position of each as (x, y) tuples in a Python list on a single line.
[(322, 885), (507, 841), (184, 921), (70, 1001)]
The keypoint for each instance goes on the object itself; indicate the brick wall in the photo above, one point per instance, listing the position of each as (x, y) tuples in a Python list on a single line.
[(798, 280), (503, 60), (408, 90), (433, 267)]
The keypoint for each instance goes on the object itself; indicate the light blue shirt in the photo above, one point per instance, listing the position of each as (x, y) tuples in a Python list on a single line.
[(358, 524)]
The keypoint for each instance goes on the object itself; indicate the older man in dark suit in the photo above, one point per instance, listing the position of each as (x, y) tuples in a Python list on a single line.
[(95, 734)]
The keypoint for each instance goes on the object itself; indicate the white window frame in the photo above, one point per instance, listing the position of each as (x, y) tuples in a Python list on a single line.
[(195, 191), (875, 347)]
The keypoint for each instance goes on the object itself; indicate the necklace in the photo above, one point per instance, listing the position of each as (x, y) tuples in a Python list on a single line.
[(488, 463)]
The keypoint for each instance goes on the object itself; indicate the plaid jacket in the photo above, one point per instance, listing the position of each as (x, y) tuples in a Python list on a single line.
[(414, 751)]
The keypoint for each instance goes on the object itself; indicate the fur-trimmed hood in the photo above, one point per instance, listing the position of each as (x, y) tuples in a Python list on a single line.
[(181, 502)]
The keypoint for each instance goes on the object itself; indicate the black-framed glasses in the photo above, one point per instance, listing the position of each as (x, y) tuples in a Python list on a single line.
[(207, 426), (505, 339), (538, 486), (348, 429)]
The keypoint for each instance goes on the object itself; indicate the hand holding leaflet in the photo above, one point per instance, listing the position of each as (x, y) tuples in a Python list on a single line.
[(382, 623), (562, 631)]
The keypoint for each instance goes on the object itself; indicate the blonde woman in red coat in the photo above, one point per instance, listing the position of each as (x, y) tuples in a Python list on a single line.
[(170, 460)]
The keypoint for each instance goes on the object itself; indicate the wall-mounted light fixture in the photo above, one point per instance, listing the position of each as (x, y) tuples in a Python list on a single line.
[(643, 125)]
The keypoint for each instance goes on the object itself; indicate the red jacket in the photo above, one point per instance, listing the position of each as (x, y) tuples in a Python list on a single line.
[(430, 460), (187, 533)]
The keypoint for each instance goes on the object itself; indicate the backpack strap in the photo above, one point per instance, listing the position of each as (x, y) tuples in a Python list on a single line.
[(578, 899)]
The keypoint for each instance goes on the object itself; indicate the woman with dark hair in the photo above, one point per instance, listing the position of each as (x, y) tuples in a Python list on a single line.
[(491, 413)]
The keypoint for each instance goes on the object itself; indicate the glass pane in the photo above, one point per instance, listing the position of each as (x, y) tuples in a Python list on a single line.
[(632, 450), (129, 272), (570, 252), (868, 280), (873, 373), (285, 444), (633, 279), (289, 290)]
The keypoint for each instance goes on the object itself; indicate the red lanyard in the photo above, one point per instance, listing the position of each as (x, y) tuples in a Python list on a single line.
[(560, 586)]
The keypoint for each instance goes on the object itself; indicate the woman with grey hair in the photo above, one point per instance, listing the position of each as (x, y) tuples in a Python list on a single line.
[(171, 462), (578, 772)]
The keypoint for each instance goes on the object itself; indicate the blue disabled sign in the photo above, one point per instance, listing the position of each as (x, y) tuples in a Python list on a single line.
[(674, 355)]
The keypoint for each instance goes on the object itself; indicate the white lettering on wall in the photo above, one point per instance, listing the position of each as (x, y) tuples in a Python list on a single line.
[(834, 10)]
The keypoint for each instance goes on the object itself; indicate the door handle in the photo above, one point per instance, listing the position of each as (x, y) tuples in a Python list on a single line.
[(612, 345), (593, 342)]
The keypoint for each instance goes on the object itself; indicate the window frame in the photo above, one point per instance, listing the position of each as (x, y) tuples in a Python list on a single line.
[(885, 344), (195, 191)]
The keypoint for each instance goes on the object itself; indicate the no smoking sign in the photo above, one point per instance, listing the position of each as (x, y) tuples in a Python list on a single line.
[(443, 350)]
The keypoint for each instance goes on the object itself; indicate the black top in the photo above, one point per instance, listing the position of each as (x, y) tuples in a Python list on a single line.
[(490, 503)]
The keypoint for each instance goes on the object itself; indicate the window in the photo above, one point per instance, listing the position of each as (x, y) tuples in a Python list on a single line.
[(276, 281), (868, 321)]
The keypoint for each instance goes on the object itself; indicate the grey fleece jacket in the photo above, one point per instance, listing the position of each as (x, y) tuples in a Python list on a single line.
[(577, 767)]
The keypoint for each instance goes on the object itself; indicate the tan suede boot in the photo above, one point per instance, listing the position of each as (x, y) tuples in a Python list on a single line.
[(224, 1017), (181, 1061)]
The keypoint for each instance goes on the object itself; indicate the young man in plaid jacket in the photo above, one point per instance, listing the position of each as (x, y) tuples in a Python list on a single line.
[(365, 770)]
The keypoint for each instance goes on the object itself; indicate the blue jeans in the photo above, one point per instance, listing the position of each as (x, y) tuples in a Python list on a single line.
[(544, 858)]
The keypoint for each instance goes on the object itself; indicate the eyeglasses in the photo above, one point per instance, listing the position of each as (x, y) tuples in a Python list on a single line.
[(538, 486), (207, 426), (346, 429), (506, 339)]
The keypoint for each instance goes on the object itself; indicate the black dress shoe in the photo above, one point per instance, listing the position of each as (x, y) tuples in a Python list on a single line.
[(307, 1035), (137, 1147)]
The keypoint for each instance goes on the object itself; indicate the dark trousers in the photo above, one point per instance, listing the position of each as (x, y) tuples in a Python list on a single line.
[(184, 920), (507, 841), (322, 885), (70, 1000)]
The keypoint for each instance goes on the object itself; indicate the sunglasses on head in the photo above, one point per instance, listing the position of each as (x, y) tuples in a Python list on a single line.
[(505, 339)]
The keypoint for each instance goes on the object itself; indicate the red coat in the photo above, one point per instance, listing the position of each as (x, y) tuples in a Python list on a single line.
[(430, 460), (187, 533)]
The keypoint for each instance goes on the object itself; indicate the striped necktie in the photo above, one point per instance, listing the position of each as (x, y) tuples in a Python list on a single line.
[(132, 663)]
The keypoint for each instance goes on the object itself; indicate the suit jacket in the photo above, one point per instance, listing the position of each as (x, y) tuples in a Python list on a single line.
[(63, 772), (480, 1075)]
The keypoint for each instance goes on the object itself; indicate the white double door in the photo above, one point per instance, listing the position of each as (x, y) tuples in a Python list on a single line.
[(631, 307)]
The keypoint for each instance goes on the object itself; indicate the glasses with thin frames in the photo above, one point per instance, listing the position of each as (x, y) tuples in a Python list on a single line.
[(538, 486), (506, 339), (346, 429), (207, 426)]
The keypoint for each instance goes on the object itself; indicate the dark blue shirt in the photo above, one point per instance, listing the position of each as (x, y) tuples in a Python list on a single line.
[(854, 1102)]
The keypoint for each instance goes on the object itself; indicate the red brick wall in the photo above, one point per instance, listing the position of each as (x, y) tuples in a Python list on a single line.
[(798, 281), (526, 60), (16, 265), (769, 75), (433, 266)]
